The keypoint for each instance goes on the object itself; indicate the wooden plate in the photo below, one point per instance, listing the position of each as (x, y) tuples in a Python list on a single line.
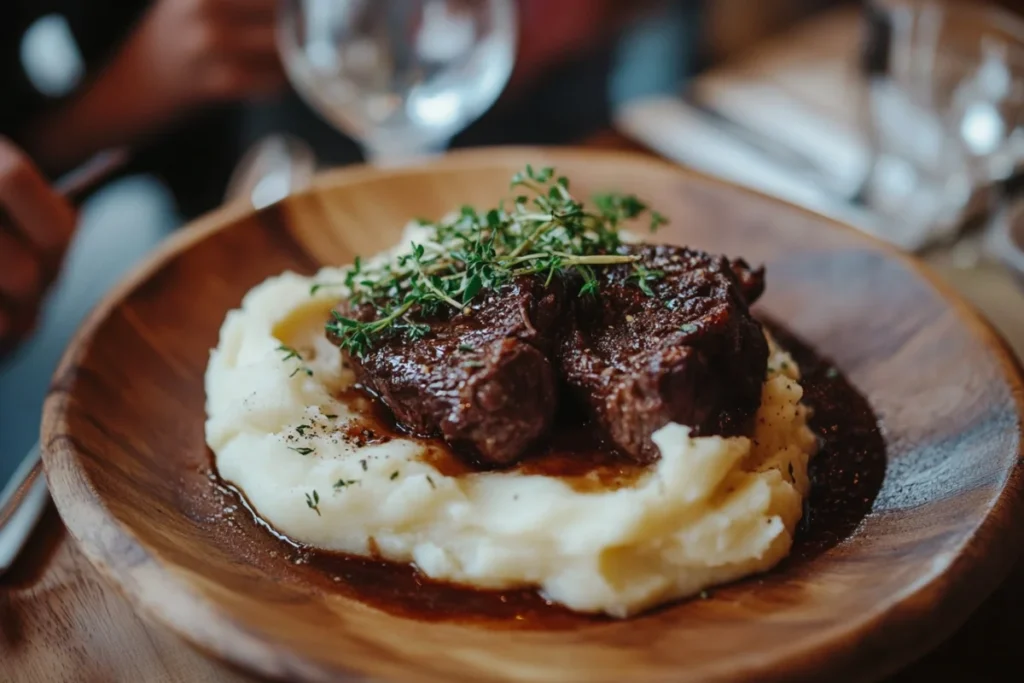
[(126, 460)]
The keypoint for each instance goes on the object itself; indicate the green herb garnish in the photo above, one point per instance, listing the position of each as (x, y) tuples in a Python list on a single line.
[(645, 276), (394, 475), (301, 429), (431, 482), (290, 353), (688, 328), (342, 483), (546, 232), (302, 451), (313, 502)]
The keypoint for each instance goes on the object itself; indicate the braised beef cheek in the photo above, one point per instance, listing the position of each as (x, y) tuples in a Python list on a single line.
[(483, 381), (682, 348), (691, 353)]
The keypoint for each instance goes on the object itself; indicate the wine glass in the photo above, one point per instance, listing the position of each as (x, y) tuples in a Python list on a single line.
[(401, 77), (947, 111)]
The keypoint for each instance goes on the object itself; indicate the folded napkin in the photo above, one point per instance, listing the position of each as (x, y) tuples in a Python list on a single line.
[(674, 129)]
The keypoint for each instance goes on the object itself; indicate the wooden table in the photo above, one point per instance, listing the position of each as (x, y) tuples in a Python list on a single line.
[(60, 621)]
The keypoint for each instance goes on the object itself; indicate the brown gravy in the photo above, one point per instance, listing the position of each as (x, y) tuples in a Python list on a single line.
[(575, 451), (572, 454), (847, 474)]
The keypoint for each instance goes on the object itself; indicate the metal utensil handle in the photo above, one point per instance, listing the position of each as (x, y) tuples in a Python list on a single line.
[(75, 184), (21, 506), (18, 503), (16, 497)]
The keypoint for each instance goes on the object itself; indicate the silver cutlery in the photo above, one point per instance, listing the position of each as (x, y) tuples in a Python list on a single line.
[(24, 498)]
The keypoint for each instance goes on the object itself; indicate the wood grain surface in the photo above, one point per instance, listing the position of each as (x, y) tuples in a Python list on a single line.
[(127, 464)]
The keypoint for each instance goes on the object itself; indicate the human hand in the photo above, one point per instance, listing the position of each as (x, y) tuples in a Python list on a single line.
[(36, 225), (193, 52), (182, 56)]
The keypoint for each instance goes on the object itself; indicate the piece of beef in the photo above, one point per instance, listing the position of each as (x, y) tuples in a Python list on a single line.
[(481, 381), (750, 280), (690, 354)]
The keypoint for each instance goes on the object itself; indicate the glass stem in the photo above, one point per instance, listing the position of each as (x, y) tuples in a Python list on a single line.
[(390, 156)]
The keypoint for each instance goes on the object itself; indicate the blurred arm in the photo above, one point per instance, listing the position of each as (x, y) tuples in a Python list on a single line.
[(181, 57)]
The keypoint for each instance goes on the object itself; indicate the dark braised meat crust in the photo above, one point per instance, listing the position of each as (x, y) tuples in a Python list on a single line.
[(482, 381), (489, 383), (690, 354)]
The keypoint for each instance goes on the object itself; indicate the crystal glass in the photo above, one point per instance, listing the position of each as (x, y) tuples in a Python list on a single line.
[(946, 111), (1004, 240), (401, 77)]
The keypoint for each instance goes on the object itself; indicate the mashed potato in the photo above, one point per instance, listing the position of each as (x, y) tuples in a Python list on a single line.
[(711, 510)]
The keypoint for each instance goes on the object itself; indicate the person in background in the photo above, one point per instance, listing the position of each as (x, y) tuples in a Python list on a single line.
[(36, 225), (190, 84), (182, 83), (166, 77), (575, 59)]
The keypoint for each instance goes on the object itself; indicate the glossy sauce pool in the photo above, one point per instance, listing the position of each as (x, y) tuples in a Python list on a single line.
[(846, 475), (575, 451)]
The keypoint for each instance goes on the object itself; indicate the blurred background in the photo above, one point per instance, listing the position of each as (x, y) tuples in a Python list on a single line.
[(901, 117)]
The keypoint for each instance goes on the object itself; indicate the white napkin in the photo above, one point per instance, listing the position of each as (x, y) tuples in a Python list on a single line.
[(834, 159), (679, 132)]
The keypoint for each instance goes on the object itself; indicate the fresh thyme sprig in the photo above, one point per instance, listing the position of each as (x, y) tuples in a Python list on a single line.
[(313, 502), (545, 232), (290, 353)]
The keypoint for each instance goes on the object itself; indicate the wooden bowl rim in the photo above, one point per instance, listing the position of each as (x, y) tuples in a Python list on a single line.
[(983, 556)]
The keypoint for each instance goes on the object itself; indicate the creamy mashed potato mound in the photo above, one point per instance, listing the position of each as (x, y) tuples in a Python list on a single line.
[(711, 510)]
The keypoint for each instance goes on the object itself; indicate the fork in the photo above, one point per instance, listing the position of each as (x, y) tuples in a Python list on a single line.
[(24, 498)]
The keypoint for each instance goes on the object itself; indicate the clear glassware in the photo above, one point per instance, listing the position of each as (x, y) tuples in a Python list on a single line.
[(401, 77), (946, 113), (1004, 240)]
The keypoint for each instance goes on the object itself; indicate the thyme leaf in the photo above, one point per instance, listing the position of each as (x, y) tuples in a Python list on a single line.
[(289, 352), (543, 231), (292, 353), (313, 502)]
